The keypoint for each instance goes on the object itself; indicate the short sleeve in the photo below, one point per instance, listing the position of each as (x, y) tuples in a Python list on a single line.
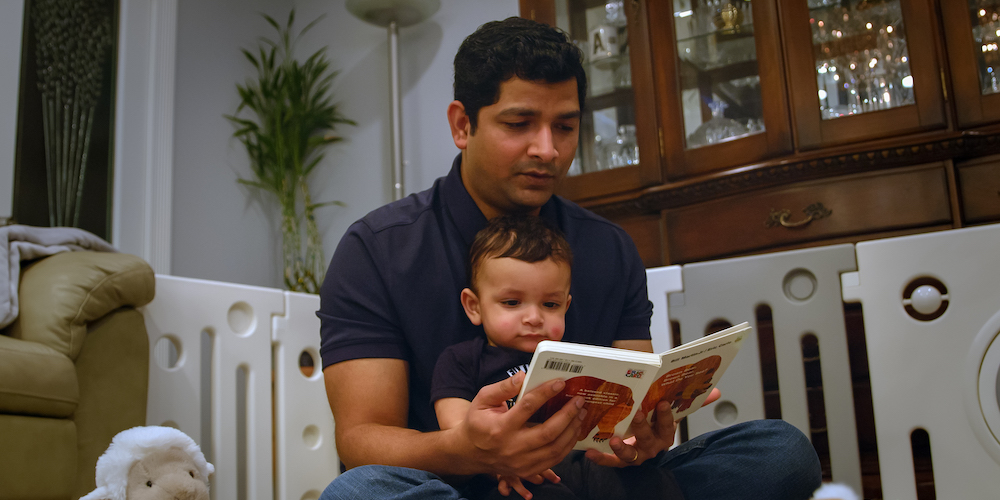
[(357, 318), (454, 375)]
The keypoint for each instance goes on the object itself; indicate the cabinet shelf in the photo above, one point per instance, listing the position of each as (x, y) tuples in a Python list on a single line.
[(617, 97)]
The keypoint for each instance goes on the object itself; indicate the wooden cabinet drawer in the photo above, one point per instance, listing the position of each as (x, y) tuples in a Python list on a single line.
[(979, 189), (856, 204)]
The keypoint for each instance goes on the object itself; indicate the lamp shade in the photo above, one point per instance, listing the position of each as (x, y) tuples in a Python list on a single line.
[(402, 12)]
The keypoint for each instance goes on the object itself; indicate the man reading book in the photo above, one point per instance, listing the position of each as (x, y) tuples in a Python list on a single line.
[(519, 272), (388, 308)]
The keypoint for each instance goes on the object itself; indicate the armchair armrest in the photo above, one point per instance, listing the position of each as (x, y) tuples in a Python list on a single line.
[(59, 295)]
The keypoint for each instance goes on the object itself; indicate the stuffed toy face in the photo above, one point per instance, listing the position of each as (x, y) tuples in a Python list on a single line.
[(152, 463), (167, 474)]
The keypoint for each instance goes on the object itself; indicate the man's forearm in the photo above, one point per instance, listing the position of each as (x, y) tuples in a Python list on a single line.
[(441, 452)]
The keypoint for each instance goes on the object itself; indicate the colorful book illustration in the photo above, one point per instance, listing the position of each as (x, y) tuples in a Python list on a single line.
[(618, 382)]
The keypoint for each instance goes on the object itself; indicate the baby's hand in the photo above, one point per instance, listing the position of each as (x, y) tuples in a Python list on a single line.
[(506, 483)]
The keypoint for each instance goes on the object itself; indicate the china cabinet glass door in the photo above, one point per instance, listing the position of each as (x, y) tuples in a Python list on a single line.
[(985, 20), (972, 31), (618, 147), (720, 79), (861, 69), (862, 61)]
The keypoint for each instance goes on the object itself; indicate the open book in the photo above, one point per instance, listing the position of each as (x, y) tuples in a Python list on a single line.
[(618, 382)]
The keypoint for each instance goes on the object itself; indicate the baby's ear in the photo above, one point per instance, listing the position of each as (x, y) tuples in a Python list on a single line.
[(470, 301)]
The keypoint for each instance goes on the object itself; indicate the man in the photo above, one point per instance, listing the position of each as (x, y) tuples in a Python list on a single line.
[(389, 305)]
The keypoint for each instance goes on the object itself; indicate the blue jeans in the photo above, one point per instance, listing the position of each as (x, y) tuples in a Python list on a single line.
[(761, 459)]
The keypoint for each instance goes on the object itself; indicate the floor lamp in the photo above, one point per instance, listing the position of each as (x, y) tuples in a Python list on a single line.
[(392, 15)]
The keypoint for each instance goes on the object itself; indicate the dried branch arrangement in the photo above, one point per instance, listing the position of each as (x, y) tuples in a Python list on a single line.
[(73, 41)]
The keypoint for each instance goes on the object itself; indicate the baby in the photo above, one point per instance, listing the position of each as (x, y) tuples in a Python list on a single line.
[(519, 273)]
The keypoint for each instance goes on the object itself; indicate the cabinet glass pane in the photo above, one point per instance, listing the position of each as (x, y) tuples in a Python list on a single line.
[(607, 129), (985, 16), (862, 63), (717, 67)]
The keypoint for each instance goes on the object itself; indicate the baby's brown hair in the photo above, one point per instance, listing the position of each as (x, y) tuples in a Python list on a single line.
[(526, 238)]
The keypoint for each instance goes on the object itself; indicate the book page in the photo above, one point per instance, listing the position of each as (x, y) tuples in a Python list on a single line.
[(689, 372)]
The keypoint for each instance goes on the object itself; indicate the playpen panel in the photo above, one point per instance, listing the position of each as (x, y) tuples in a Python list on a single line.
[(802, 289), (931, 319), (306, 451), (233, 324), (660, 282)]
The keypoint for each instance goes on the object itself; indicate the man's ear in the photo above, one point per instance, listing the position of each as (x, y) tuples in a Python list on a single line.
[(461, 128), (471, 304)]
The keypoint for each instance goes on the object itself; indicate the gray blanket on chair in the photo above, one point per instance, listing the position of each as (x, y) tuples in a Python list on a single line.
[(19, 243)]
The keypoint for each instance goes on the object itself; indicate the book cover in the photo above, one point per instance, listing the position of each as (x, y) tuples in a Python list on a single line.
[(617, 382)]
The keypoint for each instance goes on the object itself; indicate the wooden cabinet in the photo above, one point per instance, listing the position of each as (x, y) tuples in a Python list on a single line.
[(979, 189), (833, 93), (860, 204), (862, 70)]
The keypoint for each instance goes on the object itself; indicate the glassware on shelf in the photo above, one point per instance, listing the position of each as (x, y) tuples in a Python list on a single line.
[(862, 62), (623, 73), (615, 13), (719, 128), (717, 51), (600, 29), (624, 151), (600, 154), (985, 16)]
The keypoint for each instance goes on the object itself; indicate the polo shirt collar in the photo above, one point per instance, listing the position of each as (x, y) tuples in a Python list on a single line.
[(466, 214)]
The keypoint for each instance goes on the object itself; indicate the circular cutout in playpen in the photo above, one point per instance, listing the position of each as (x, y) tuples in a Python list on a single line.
[(799, 285), (310, 495), (981, 387), (725, 413), (925, 299), (308, 362), (989, 388), (241, 319), (167, 352), (312, 437)]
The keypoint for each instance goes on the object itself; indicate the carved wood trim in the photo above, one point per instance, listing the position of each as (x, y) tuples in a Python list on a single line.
[(902, 153)]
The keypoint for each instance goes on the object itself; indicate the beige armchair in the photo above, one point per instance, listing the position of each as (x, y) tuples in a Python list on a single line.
[(73, 371)]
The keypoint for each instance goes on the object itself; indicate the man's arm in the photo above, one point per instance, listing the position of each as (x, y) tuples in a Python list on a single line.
[(369, 401), (634, 345)]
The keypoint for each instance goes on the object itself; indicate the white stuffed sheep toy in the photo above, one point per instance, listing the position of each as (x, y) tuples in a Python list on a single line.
[(152, 463)]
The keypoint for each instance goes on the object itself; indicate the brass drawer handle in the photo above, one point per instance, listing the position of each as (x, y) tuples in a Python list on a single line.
[(780, 217)]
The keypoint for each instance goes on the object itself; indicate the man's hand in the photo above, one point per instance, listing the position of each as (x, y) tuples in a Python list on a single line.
[(503, 442), (647, 441)]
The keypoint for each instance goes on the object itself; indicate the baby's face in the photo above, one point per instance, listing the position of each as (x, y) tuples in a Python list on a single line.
[(522, 303)]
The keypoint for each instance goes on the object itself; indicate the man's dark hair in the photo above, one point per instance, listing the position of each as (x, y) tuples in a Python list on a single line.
[(527, 238), (500, 50)]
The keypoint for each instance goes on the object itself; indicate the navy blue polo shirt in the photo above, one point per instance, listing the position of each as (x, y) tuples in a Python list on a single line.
[(393, 286)]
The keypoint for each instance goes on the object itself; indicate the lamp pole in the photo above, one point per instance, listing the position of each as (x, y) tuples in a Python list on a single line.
[(393, 14)]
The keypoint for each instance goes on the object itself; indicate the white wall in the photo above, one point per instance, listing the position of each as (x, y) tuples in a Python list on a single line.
[(10, 60), (221, 233)]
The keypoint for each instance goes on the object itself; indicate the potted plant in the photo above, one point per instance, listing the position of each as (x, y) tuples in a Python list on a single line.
[(286, 119)]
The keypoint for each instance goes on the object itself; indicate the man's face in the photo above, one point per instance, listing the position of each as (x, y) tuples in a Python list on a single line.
[(520, 303), (523, 145)]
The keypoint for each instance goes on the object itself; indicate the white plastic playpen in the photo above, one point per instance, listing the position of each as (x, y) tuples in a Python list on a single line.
[(237, 367)]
